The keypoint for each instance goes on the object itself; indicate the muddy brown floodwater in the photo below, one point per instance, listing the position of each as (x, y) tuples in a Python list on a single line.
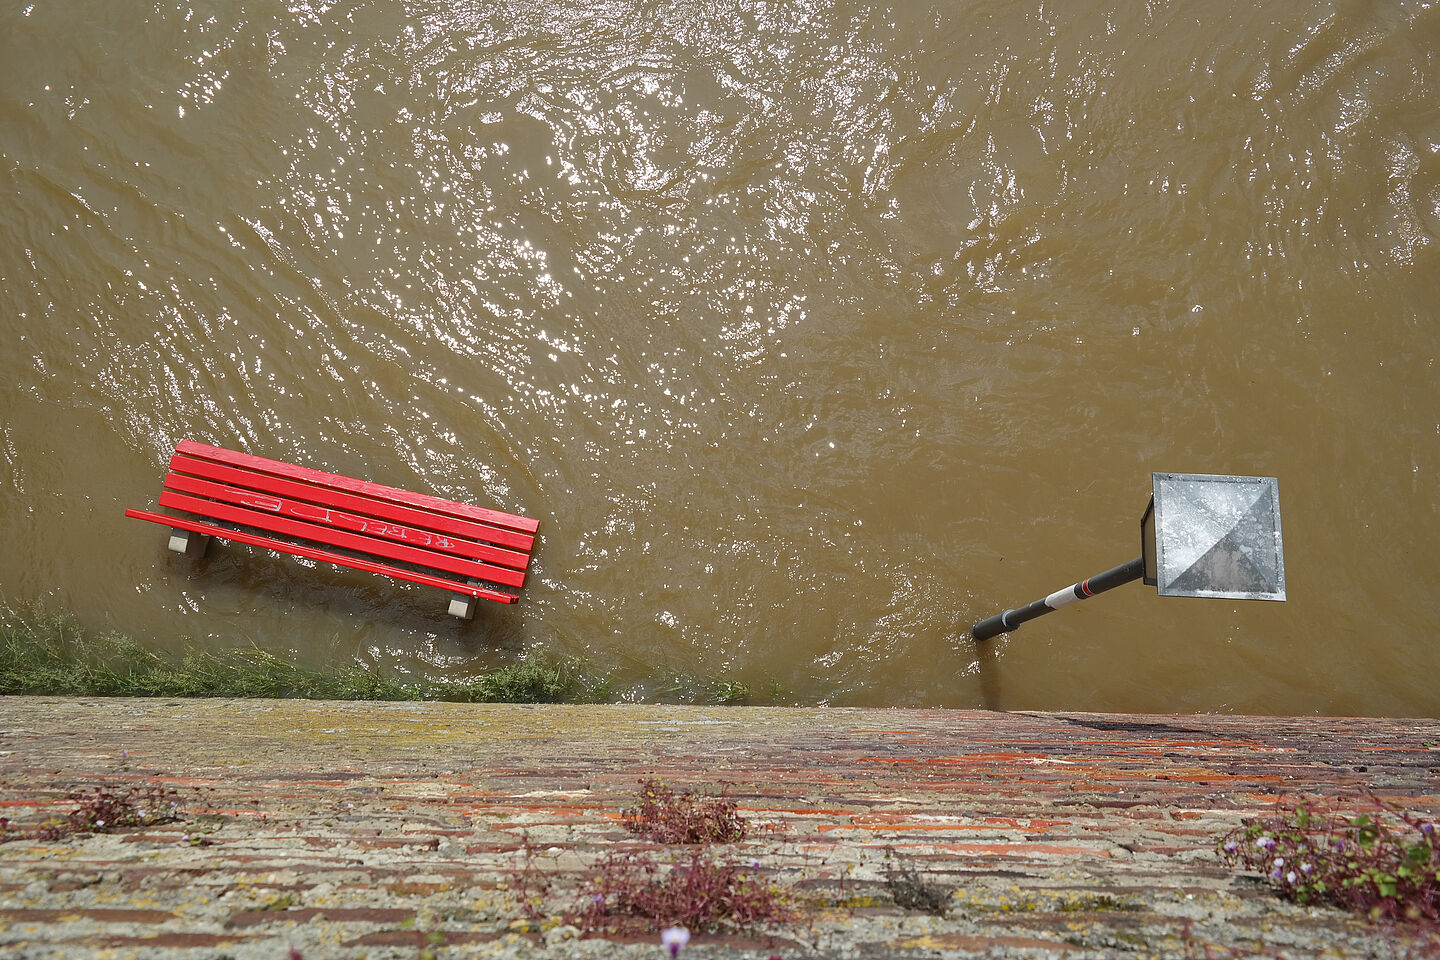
[(811, 332)]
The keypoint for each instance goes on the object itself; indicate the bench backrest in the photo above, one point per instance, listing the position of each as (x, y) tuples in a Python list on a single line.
[(356, 515)]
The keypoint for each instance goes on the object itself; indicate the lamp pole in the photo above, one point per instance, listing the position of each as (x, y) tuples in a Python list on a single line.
[(1010, 619)]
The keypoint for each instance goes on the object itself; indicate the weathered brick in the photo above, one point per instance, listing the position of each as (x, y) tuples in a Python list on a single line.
[(254, 918), (417, 939), (99, 914), (980, 944), (173, 940), (331, 818)]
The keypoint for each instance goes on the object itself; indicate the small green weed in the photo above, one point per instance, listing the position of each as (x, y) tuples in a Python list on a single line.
[(1094, 904), (910, 890)]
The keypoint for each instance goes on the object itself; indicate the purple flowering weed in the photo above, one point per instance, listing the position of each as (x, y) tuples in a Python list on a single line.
[(1384, 863)]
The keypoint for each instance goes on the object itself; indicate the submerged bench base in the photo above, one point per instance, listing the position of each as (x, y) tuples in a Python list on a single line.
[(462, 606), (189, 542), (193, 544), (195, 540)]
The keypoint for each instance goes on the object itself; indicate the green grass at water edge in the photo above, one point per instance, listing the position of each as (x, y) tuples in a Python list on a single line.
[(45, 653), (688, 687)]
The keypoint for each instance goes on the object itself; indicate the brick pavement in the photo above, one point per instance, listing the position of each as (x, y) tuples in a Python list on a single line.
[(393, 830)]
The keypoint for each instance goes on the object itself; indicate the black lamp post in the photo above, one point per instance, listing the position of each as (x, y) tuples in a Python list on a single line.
[(1201, 536)]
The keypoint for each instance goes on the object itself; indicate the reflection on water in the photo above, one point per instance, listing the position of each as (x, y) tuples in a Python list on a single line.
[(811, 332)]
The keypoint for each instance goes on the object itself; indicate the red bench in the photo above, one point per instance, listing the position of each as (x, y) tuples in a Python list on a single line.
[(470, 551)]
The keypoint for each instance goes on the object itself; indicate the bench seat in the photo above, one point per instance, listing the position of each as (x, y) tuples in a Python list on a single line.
[(470, 551)]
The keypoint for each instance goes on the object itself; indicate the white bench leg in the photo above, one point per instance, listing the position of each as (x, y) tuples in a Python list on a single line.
[(463, 606), (189, 542)]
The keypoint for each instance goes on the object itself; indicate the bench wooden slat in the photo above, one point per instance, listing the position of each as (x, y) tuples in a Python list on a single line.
[(362, 487), (327, 556), (368, 506), (318, 533), (262, 499)]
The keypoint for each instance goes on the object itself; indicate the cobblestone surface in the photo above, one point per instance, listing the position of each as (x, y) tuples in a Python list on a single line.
[(395, 830)]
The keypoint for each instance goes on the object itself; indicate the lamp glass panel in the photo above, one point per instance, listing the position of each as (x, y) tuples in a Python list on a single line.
[(1218, 536)]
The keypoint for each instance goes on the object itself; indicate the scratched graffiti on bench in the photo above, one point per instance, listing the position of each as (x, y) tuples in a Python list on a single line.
[(338, 518)]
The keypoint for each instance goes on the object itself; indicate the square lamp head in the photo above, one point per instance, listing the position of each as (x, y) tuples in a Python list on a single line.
[(1214, 536)]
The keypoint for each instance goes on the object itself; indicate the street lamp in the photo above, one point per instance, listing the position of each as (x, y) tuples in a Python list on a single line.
[(1201, 536)]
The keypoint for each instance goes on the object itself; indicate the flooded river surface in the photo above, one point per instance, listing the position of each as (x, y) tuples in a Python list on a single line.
[(810, 331)]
